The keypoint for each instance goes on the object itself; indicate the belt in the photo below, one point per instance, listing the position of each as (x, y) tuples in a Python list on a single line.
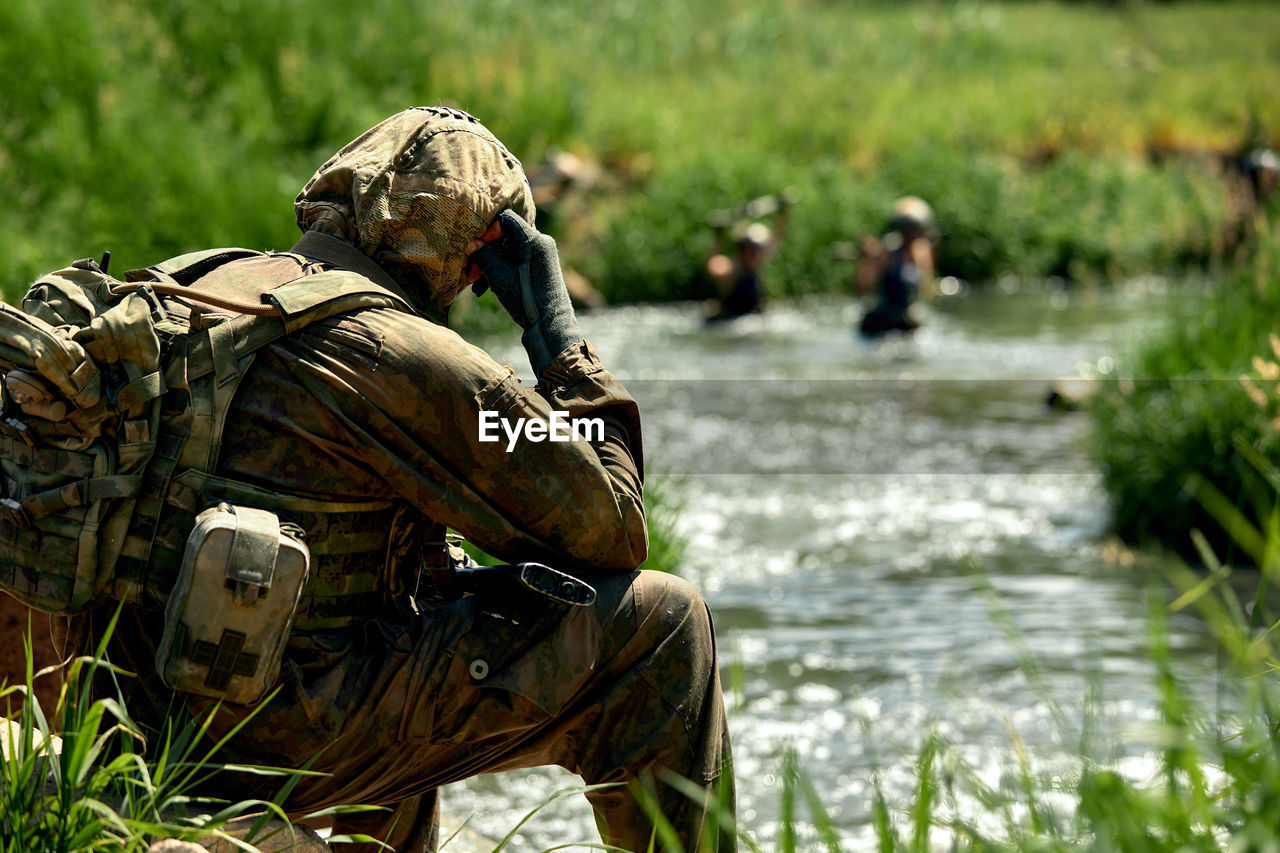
[(520, 579)]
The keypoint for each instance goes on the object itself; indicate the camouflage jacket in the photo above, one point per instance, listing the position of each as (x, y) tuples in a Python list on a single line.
[(379, 403)]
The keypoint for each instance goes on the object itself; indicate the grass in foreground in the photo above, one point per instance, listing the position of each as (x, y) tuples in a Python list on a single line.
[(109, 789)]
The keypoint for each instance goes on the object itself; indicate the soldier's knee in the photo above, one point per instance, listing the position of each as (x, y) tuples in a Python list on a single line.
[(667, 597), (671, 608)]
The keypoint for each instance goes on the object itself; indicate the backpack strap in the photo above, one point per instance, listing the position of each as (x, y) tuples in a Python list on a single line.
[(226, 349), (175, 276), (300, 303), (209, 366), (189, 268)]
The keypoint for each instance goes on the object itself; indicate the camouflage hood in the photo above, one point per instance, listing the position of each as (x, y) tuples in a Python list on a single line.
[(412, 192)]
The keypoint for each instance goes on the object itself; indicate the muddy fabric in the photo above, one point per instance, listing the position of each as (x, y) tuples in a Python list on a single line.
[(424, 689), (650, 706)]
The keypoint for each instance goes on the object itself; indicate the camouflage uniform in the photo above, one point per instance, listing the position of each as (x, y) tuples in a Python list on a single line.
[(397, 686)]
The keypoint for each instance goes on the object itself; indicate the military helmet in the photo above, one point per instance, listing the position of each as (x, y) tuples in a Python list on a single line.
[(412, 192)]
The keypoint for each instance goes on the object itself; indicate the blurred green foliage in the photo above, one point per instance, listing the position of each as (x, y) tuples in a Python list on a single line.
[(151, 127), (1185, 411)]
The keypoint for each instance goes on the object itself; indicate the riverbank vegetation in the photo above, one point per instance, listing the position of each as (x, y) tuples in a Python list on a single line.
[(1181, 432), (81, 776), (1080, 140)]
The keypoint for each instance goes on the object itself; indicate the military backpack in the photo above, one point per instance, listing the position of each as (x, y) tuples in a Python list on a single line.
[(103, 388)]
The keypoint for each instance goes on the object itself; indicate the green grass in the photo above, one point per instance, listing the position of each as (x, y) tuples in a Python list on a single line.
[(1182, 410), (111, 789), (150, 128)]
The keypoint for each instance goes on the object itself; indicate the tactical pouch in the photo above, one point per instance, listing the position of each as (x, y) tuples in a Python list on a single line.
[(229, 615)]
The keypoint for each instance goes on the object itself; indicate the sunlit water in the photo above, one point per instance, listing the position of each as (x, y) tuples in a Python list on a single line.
[(858, 516)]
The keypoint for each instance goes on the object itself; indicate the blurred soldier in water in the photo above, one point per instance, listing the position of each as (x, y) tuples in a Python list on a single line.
[(898, 267), (740, 288), (1261, 167)]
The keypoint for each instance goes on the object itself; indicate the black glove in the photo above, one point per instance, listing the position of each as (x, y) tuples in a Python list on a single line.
[(523, 269)]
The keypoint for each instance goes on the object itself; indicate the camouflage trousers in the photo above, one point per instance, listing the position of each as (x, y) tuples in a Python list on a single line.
[(626, 691)]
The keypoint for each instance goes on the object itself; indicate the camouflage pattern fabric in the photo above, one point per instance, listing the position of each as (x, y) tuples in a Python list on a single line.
[(424, 689), (412, 192)]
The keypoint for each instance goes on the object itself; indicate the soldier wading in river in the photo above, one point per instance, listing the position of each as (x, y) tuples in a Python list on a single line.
[(402, 673)]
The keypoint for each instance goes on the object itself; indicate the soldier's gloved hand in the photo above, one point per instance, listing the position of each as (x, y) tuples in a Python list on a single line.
[(523, 269)]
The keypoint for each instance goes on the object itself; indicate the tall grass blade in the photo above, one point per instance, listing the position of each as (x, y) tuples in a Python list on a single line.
[(880, 818), (787, 804), (926, 793), (1232, 520), (557, 795)]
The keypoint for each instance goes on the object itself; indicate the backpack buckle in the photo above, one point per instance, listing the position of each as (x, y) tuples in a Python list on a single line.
[(14, 512), (18, 426)]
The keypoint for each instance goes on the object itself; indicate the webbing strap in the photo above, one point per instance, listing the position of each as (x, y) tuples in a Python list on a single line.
[(192, 266), (255, 547), (222, 349), (46, 460), (301, 303), (233, 491), (249, 335), (325, 613), (41, 587), (140, 390), (81, 493)]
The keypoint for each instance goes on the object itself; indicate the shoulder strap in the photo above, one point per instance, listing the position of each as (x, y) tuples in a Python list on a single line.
[(300, 303), (191, 267), (226, 350), (213, 360), (175, 276)]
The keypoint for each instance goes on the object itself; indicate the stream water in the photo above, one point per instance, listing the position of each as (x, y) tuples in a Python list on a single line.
[(858, 516)]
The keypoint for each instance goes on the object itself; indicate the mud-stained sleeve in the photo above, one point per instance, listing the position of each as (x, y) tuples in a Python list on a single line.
[(416, 419)]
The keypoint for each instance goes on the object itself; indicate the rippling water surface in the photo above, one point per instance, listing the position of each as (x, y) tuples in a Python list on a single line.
[(846, 507)]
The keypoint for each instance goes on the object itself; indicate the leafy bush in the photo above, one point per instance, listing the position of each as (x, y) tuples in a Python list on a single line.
[(1184, 411)]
